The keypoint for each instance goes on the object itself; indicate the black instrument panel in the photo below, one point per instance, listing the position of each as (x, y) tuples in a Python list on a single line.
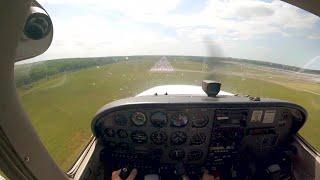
[(196, 133), (179, 134)]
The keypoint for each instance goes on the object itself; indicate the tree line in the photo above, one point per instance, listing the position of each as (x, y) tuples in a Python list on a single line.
[(25, 74)]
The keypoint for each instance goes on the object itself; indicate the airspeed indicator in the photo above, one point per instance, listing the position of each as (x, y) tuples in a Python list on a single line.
[(138, 118)]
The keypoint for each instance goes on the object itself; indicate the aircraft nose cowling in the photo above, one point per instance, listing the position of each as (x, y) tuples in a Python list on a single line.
[(179, 90)]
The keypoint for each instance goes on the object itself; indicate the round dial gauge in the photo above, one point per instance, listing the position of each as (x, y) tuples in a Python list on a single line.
[(178, 137), (158, 137), (139, 137), (122, 133), (120, 120), (179, 120), (109, 132), (199, 120), (198, 138), (159, 119), (138, 118)]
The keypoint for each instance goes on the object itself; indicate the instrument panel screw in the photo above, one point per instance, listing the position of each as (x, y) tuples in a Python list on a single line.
[(27, 158)]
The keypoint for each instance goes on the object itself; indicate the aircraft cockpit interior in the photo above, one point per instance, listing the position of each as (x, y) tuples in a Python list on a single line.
[(148, 90), (168, 136)]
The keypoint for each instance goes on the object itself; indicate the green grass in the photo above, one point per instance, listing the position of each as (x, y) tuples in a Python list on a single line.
[(62, 107)]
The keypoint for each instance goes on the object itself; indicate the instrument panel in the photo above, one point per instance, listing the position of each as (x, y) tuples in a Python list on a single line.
[(180, 134), (199, 133)]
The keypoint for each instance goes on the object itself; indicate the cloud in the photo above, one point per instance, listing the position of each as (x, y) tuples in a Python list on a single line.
[(243, 17), (254, 12), (128, 7), (153, 26), (230, 19)]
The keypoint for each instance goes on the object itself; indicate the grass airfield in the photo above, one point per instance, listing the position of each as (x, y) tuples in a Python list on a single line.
[(62, 106)]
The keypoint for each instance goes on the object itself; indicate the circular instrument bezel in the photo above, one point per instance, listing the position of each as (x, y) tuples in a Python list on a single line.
[(137, 122), (175, 119), (154, 121), (163, 140)]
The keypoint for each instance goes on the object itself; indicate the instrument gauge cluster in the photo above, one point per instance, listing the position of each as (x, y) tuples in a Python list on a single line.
[(166, 130), (173, 132)]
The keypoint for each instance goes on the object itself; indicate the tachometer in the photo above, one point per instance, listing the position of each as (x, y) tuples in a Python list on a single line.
[(159, 119), (178, 137), (138, 118), (179, 120), (158, 137)]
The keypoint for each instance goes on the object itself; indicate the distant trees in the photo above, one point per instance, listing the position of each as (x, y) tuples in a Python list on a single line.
[(28, 73)]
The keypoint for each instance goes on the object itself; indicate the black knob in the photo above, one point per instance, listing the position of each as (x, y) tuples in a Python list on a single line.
[(125, 172)]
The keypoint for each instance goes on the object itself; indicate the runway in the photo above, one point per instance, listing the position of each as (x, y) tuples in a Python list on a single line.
[(163, 65)]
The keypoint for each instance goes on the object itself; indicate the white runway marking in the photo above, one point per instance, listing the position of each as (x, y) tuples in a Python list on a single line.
[(163, 65)]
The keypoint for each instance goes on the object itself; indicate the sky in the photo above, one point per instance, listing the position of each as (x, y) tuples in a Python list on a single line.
[(268, 30)]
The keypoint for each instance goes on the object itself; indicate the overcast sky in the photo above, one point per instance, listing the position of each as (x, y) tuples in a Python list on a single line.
[(261, 30)]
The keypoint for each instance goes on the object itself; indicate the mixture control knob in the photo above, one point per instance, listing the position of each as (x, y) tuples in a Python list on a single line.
[(125, 172)]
